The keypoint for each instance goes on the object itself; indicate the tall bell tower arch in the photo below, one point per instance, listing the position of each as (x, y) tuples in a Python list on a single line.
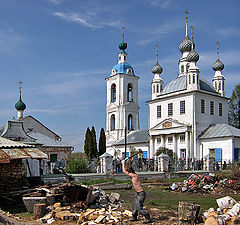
[(122, 109)]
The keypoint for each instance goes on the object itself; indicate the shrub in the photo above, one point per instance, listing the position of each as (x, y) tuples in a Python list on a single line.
[(78, 165)]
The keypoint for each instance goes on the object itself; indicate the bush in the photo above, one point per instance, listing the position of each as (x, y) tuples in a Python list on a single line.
[(78, 165)]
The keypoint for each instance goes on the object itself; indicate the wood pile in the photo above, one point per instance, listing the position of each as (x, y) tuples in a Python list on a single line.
[(86, 217)]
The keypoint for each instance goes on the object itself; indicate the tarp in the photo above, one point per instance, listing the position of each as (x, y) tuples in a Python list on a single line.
[(21, 153)]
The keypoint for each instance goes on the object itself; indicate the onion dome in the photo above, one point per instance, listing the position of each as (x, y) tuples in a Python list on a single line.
[(20, 105), (193, 56), (122, 46), (157, 68), (218, 65), (186, 45)]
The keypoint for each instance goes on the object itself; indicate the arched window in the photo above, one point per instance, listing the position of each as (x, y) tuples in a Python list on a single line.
[(220, 85), (112, 122), (113, 93), (182, 69), (157, 88), (130, 125), (187, 67), (154, 88), (189, 79), (129, 93)]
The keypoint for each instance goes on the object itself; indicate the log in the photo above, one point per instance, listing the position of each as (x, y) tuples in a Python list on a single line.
[(39, 211), (188, 212)]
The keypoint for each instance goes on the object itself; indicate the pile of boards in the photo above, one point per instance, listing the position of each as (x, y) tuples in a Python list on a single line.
[(85, 217), (227, 212)]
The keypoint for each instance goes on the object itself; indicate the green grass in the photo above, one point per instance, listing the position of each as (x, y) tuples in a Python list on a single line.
[(157, 197)]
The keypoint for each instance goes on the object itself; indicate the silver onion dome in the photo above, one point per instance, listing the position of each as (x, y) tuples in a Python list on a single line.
[(186, 45), (157, 68), (193, 56), (218, 65)]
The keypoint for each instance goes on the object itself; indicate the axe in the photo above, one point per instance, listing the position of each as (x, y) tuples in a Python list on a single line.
[(136, 153)]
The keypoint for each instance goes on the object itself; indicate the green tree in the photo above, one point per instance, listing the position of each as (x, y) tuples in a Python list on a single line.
[(88, 143), (234, 107), (94, 151), (102, 142)]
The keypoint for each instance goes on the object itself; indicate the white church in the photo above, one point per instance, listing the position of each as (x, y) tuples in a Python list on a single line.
[(189, 115)]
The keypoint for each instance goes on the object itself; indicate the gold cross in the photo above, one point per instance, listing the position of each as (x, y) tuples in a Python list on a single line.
[(186, 12), (218, 49), (157, 51), (20, 83), (123, 33)]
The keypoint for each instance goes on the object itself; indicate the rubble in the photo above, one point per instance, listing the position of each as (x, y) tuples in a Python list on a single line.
[(227, 213), (213, 184), (79, 203)]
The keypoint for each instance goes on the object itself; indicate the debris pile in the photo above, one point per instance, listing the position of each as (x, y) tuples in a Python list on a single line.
[(68, 201), (212, 183), (88, 216), (227, 213)]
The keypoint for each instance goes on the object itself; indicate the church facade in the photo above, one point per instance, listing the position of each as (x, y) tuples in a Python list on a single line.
[(189, 115)]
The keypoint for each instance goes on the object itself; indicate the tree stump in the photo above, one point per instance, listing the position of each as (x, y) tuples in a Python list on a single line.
[(39, 211), (188, 212)]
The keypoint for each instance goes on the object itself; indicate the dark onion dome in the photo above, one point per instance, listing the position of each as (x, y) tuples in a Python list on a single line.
[(20, 105), (186, 45), (218, 65), (157, 68), (122, 46), (193, 56)]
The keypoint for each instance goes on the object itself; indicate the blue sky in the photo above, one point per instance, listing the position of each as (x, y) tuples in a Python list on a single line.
[(63, 50)]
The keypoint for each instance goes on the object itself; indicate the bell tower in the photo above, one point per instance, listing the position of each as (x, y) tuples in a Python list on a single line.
[(122, 109)]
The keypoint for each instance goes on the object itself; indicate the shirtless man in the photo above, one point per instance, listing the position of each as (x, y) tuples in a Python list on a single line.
[(140, 193)]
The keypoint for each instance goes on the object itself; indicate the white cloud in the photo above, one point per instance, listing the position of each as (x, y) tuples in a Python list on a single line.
[(164, 4), (159, 32), (55, 2), (88, 19), (228, 32), (9, 39)]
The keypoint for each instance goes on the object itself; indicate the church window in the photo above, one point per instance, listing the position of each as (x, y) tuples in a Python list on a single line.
[(159, 111), (130, 125), (182, 107), (119, 58), (211, 108), (215, 85), (170, 139), (187, 67), (157, 88), (193, 79), (189, 79), (129, 94), (170, 109), (153, 88), (158, 140), (182, 138), (161, 87), (219, 87), (113, 93), (220, 109), (124, 58), (202, 106), (112, 122), (182, 69)]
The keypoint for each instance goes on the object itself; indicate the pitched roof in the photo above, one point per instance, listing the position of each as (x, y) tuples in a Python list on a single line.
[(6, 143), (220, 130), (47, 141), (134, 137)]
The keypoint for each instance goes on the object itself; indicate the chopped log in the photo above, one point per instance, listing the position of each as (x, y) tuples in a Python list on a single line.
[(39, 211), (188, 212)]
